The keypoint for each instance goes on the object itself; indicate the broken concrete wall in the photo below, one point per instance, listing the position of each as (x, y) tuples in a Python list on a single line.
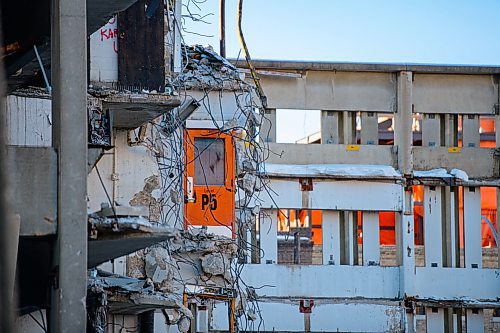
[(29, 118)]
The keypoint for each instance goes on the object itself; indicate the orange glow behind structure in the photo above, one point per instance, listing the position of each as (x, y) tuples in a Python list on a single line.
[(209, 179)]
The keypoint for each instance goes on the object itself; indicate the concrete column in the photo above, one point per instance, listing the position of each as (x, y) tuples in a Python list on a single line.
[(177, 36), (407, 244), (352, 239), (431, 130), (403, 136), (69, 114), (472, 227), (8, 239), (433, 235), (330, 124), (474, 320), (435, 320), (371, 239), (268, 230), (369, 128), (449, 226), (497, 139), (451, 130), (349, 127), (470, 131), (331, 237), (267, 130)]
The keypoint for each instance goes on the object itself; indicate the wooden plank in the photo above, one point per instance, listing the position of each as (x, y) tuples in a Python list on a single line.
[(141, 48)]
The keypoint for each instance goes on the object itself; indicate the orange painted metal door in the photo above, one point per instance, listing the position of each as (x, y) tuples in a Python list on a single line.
[(209, 179)]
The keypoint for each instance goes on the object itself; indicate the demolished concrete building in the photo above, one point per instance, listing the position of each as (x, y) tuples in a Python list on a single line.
[(197, 220)]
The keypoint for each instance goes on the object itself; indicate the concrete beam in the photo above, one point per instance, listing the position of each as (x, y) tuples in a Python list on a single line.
[(267, 131), (332, 194), (466, 159), (457, 94), (69, 105), (290, 65), (289, 153), (336, 91), (315, 281), (458, 284)]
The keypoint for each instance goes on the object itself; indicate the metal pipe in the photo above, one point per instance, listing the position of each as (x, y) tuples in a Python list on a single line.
[(222, 26), (40, 63)]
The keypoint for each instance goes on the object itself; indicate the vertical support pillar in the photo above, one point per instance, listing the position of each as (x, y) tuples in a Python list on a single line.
[(371, 239), (475, 320), (9, 236), (448, 213), (267, 130), (69, 114), (331, 237), (403, 135), (177, 36), (497, 139), (352, 227), (470, 131), (407, 244), (435, 320), (454, 228), (330, 125), (369, 128), (431, 129), (269, 236), (349, 127), (472, 227), (451, 130), (433, 227)]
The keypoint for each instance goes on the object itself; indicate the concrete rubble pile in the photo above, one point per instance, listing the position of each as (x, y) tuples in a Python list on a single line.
[(205, 69)]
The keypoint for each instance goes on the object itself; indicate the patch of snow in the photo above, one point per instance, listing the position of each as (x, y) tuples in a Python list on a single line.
[(434, 173), (460, 174)]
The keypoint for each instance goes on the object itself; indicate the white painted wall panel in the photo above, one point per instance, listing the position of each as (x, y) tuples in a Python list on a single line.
[(371, 239), (29, 121), (434, 320), (324, 318), (472, 227), (104, 53), (331, 237), (433, 238), (268, 233), (356, 318)]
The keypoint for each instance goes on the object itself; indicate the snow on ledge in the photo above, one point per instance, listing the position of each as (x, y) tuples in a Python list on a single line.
[(353, 171), (330, 170)]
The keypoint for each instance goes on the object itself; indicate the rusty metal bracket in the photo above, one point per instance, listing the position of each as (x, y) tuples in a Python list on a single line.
[(306, 184)]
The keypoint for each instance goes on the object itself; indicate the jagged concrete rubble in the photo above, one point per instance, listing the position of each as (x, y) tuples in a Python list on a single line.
[(205, 69)]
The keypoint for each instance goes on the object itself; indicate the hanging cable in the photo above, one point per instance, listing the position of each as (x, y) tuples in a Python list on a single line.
[(260, 92)]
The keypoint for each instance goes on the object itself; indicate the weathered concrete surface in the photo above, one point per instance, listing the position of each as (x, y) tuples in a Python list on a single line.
[(34, 177), (289, 153), (427, 158)]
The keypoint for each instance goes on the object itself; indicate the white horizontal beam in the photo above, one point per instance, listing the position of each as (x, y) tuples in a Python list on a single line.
[(457, 94), (332, 195), (457, 283), (323, 281)]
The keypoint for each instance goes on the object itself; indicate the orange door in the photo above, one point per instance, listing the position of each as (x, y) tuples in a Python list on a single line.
[(209, 179)]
